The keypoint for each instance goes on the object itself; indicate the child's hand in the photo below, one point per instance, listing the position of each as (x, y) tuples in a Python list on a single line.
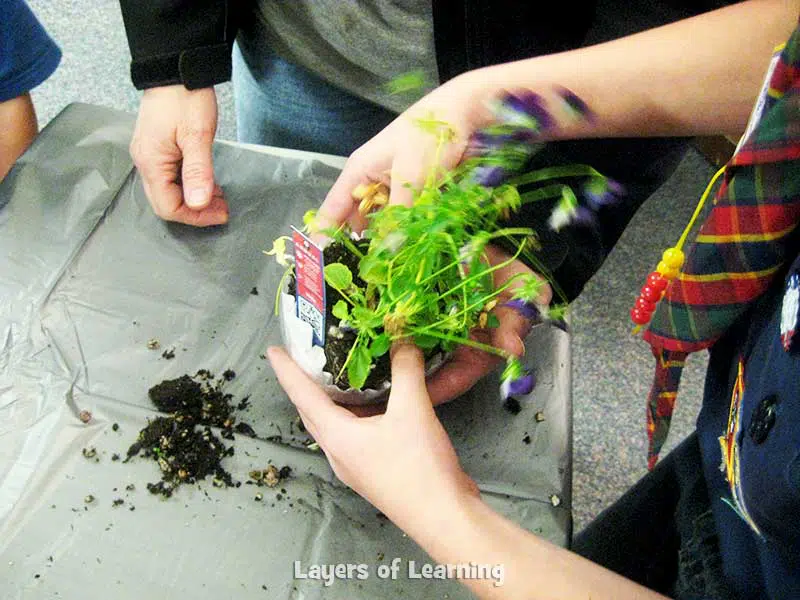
[(468, 365), (398, 460), (404, 152)]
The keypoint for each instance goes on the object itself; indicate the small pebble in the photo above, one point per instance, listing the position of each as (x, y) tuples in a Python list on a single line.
[(85, 416)]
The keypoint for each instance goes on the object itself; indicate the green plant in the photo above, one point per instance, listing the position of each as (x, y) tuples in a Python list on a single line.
[(425, 274)]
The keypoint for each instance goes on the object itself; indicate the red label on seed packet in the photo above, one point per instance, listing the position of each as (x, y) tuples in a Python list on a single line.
[(308, 269)]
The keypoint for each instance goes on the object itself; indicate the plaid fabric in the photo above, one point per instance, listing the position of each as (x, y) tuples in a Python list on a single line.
[(740, 248)]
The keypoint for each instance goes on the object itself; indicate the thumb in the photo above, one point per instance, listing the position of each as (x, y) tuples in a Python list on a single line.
[(197, 173), (408, 378)]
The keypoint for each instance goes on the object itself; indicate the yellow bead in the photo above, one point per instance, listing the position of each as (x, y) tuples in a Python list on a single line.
[(673, 257), (667, 271)]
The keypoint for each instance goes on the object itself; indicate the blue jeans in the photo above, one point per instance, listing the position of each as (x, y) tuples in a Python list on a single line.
[(281, 104)]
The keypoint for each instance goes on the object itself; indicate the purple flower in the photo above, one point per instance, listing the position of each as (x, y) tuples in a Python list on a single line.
[(526, 309), (516, 381), (575, 105), (600, 191), (486, 141), (524, 110), (530, 104), (489, 175), (583, 217), (520, 386)]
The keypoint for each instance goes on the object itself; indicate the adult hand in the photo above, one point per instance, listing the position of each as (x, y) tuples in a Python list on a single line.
[(468, 365), (171, 148), (396, 460)]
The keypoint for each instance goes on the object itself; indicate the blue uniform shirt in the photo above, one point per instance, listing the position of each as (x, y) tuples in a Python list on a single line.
[(760, 547), (28, 55)]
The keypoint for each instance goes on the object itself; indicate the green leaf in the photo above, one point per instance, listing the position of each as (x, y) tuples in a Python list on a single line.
[(492, 321), (380, 345), (340, 310), (338, 276), (308, 218), (413, 81), (279, 250), (426, 342), (568, 200), (374, 270), (366, 318), (358, 367)]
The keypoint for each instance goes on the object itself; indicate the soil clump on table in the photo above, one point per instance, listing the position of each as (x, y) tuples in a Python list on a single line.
[(182, 442)]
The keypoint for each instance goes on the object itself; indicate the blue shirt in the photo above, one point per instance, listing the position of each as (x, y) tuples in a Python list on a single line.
[(761, 547), (28, 55)]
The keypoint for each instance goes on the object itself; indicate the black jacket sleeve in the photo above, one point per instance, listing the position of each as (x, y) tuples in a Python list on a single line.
[(179, 41)]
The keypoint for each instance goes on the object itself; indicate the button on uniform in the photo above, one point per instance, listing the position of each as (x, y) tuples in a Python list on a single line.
[(763, 419)]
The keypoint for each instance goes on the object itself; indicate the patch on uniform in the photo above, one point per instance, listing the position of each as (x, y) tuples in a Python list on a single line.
[(730, 444), (790, 311)]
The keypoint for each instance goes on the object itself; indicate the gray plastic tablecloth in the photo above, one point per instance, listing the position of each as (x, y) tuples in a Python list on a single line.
[(88, 275)]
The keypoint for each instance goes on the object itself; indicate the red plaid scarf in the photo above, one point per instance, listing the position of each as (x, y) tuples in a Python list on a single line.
[(740, 248)]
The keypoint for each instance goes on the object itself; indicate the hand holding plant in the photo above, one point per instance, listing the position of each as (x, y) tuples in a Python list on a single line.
[(469, 365), (428, 271), (394, 460)]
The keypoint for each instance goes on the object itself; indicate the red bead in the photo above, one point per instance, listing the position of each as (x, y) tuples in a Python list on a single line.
[(639, 317), (656, 280), (645, 305), (650, 293)]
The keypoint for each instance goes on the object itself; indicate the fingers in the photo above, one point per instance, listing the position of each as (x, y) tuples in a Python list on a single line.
[(160, 187), (422, 155), (306, 395), (464, 369), (216, 213), (197, 173), (171, 148), (408, 378), (468, 365), (339, 205), (166, 199), (407, 176), (511, 331)]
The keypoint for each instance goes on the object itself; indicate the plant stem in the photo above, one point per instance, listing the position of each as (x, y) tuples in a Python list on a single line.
[(553, 173), (480, 302), (349, 356), (509, 231), (496, 267), (465, 342), (284, 277), (342, 293), (350, 246), (545, 193)]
